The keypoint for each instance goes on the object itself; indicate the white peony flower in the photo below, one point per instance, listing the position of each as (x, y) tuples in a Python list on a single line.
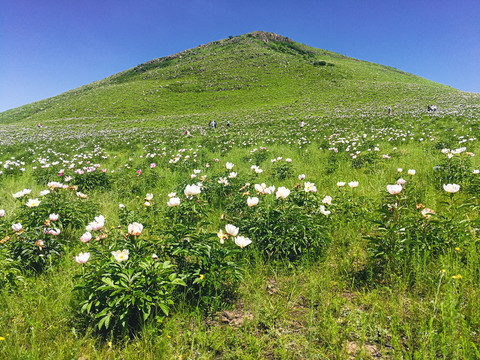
[(174, 201), (327, 200), (120, 255), (252, 201), (82, 258), (96, 225), (18, 194), (191, 190), (282, 192), (310, 187), (269, 190), (260, 188), (44, 192), (242, 241), (86, 237), (324, 211), (451, 188), (33, 203), (54, 232), (222, 236), (394, 189), (353, 184), (231, 229), (135, 229), (223, 180)]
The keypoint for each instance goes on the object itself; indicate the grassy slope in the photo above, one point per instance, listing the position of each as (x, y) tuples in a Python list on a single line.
[(239, 73), (321, 311)]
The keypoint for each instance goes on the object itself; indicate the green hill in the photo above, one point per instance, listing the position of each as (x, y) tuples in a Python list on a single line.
[(242, 73)]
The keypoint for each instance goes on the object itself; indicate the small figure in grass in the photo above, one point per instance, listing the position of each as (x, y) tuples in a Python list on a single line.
[(389, 111), (302, 124), (228, 123)]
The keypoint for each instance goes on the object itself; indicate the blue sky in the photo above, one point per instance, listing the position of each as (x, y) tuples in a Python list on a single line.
[(51, 46)]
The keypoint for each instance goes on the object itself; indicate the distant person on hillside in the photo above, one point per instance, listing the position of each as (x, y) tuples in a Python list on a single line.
[(228, 123), (214, 124), (187, 133), (389, 111), (40, 126), (302, 124)]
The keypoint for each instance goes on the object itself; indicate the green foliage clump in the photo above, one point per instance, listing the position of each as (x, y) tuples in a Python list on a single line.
[(453, 169), (407, 230), (42, 237), (259, 155), (282, 170), (283, 230), (11, 275), (211, 270), (92, 180), (74, 208), (35, 250), (120, 290), (211, 267)]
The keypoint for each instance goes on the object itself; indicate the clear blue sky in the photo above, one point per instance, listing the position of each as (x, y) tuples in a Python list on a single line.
[(51, 46)]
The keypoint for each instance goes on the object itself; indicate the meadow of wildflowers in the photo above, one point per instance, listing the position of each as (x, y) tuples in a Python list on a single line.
[(354, 236), (374, 254)]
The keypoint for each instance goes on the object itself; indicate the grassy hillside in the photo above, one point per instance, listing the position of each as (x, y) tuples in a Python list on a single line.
[(246, 72), (129, 229)]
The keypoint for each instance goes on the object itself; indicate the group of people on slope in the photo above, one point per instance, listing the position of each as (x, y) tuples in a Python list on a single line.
[(213, 124)]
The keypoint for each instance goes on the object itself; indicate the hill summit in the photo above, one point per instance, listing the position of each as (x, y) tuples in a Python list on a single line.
[(240, 73)]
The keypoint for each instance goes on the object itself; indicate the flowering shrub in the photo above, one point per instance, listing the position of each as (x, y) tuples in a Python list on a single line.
[(44, 175), (225, 191), (96, 179), (35, 249), (258, 155), (72, 209), (282, 170), (349, 205), (188, 210), (364, 160), (281, 229), (455, 167), (408, 229), (123, 283), (210, 267), (38, 241)]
